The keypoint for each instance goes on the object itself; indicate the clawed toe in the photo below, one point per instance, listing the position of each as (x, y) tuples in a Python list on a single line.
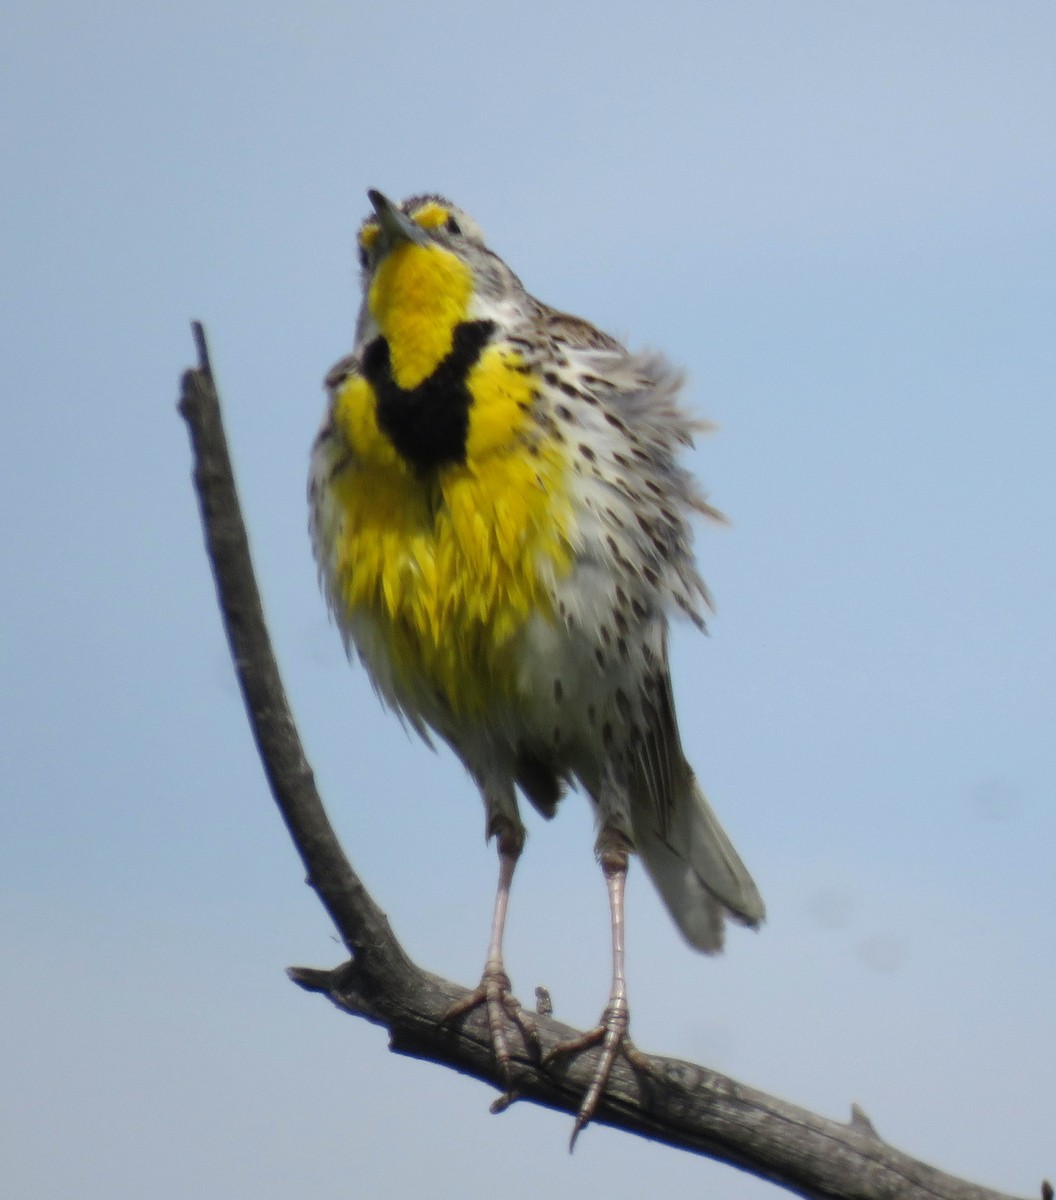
[(611, 1033), (494, 995)]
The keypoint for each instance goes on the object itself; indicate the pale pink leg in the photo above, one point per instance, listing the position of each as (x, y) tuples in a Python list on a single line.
[(611, 1031), (493, 991)]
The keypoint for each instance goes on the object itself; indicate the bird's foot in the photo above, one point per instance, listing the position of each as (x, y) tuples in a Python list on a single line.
[(611, 1034), (494, 995)]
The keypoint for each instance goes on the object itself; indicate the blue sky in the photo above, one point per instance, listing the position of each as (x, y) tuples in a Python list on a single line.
[(838, 218)]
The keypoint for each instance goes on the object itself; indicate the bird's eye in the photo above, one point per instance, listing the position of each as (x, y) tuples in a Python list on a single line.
[(363, 257), (453, 226)]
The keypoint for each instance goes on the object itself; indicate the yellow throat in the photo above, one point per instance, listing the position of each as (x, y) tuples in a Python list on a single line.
[(418, 296)]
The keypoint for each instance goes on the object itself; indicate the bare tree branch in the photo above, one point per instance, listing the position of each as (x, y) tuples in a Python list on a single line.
[(684, 1105)]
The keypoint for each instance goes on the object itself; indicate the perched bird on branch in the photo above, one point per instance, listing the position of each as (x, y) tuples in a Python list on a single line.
[(501, 524)]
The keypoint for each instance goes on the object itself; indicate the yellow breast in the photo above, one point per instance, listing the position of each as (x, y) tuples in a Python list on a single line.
[(453, 564)]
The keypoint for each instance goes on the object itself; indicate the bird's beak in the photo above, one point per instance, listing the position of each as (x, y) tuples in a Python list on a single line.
[(396, 227)]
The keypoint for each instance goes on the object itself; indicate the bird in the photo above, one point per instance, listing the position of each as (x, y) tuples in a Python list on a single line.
[(502, 526)]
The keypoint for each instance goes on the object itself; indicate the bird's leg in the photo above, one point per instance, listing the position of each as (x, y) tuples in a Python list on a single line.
[(493, 991), (611, 1031)]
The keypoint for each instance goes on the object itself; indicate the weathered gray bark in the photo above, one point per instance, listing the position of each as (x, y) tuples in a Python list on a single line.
[(684, 1105)]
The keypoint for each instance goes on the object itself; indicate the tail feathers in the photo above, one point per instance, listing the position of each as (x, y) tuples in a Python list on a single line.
[(695, 868)]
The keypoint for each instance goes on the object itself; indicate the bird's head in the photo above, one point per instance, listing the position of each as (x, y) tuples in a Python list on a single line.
[(426, 270)]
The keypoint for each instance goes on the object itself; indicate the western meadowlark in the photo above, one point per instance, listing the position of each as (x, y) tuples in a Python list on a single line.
[(501, 527)]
